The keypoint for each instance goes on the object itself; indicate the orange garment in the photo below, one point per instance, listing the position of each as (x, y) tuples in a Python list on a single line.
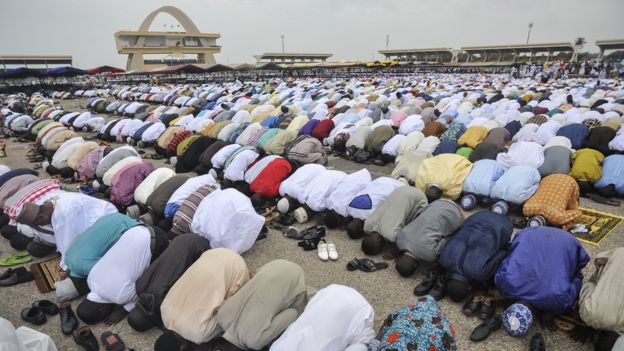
[(557, 199)]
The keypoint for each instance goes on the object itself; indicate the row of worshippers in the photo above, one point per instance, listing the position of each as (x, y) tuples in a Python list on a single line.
[(486, 223)]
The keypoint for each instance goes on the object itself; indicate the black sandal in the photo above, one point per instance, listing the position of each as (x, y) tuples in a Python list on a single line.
[(368, 265)]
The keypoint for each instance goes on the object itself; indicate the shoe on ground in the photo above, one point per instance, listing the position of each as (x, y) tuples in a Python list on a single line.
[(34, 315), (537, 342), (84, 337), (333, 252), (438, 291), (69, 323), (483, 330), (473, 305), (427, 283), (48, 307), (487, 309), (17, 276), (323, 254)]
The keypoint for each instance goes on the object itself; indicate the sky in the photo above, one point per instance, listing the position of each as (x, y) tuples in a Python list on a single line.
[(350, 29)]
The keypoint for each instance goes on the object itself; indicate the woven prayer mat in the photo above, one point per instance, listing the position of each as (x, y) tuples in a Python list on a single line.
[(46, 274), (599, 224)]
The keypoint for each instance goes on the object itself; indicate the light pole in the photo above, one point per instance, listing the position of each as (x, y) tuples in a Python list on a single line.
[(282, 43), (387, 40), (529, 34)]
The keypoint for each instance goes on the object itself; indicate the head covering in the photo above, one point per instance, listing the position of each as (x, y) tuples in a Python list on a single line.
[(28, 214), (517, 319)]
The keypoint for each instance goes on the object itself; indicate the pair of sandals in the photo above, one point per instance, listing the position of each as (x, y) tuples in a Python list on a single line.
[(310, 233), (18, 257), (365, 265)]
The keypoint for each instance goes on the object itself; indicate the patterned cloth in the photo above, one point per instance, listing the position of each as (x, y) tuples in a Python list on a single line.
[(517, 319), (29, 193), (420, 326), (539, 119), (184, 215), (557, 199), (177, 139), (592, 123)]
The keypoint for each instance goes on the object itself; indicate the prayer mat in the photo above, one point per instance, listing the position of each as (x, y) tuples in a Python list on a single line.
[(598, 224), (567, 322), (47, 273)]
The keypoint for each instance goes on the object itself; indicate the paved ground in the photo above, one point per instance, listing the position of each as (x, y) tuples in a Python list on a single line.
[(385, 290)]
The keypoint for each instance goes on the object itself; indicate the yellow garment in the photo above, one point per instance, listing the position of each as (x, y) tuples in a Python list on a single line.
[(557, 199), (613, 123), (277, 144), (174, 121), (473, 136), (81, 151), (191, 305), (169, 133), (214, 132), (446, 171), (587, 165), (409, 165), (297, 123), (185, 144), (206, 131), (261, 113)]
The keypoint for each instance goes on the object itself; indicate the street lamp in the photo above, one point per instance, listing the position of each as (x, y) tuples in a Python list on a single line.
[(529, 34)]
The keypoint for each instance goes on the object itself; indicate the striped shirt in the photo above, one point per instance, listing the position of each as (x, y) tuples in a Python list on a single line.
[(184, 215)]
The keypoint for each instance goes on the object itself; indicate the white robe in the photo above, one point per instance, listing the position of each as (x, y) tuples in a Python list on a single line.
[(294, 185), (316, 192), (73, 214), (236, 169), (23, 338), (219, 158), (337, 318), (112, 282), (338, 200), (227, 219), (189, 187), (373, 195)]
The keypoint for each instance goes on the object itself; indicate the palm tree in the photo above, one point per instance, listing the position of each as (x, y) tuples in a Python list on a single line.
[(580, 41)]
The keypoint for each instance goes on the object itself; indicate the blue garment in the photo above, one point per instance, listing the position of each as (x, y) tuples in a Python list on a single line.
[(453, 132), (137, 135), (516, 185), (420, 326), (478, 248), (543, 269), (16, 172), (513, 127), (171, 208), (87, 249), (271, 122), (308, 127), (612, 173), (576, 132), (482, 177), (446, 147)]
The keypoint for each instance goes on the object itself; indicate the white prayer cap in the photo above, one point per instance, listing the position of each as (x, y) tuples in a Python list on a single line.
[(283, 205)]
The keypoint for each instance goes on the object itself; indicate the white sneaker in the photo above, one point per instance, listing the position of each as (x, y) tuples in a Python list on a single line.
[(331, 251), (323, 253)]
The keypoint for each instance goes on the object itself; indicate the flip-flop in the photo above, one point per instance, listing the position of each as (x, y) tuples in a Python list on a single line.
[(16, 258)]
